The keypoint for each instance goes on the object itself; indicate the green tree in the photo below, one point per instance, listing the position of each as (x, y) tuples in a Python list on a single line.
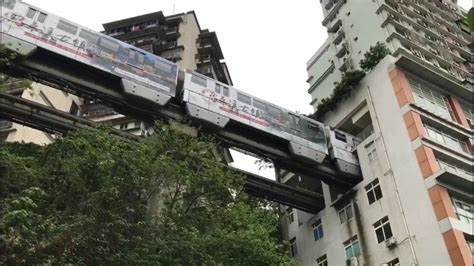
[(372, 57), (90, 198)]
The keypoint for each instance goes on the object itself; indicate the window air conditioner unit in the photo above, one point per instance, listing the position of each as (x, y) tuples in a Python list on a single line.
[(353, 261), (391, 242)]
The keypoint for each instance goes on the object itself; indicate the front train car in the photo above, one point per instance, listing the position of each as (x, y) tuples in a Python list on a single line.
[(216, 103), (26, 30)]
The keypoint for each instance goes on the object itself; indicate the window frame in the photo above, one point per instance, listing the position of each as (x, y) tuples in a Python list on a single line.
[(383, 226), (293, 247), (351, 244), (322, 260), (318, 231), (346, 212), (371, 189)]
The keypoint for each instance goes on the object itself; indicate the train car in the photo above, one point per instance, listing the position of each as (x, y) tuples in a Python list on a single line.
[(217, 103), (341, 151), (25, 29)]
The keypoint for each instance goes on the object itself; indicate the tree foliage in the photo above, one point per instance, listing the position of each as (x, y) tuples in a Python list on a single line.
[(342, 91), (90, 198), (350, 80), (372, 57)]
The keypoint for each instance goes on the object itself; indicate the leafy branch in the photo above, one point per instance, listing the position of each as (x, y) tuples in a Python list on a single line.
[(350, 80)]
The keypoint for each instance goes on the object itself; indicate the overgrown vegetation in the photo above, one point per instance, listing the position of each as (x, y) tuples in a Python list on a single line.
[(92, 199), (350, 80)]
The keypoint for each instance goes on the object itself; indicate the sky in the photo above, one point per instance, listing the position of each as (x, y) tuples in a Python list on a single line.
[(266, 43)]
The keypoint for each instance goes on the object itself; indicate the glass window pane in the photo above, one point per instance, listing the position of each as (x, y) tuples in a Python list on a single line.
[(378, 192), (388, 230), (199, 80), (342, 216), (226, 91), (349, 212), (67, 27), (371, 196), (244, 98), (349, 253), (41, 17), (30, 13), (356, 248)]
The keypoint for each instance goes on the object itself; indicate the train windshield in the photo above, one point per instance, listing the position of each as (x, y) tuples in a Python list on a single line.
[(315, 133)]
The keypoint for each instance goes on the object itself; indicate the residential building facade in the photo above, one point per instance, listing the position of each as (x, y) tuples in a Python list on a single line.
[(413, 113)]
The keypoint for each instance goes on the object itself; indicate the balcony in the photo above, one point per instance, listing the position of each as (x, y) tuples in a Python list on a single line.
[(328, 4), (341, 49), (339, 36), (333, 12), (454, 177), (426, 70), (171, 32), (347, 64), (334, 27)]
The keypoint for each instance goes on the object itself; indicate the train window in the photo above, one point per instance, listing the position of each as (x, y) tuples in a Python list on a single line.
[(225, 91), (42, 17), (258, 104), (273, 111), (109, 44), (199, 80), (88, 36), (218, 88), (31, 13), (136, 56), (67, 27), (313, 127), (244, 98), (295, 122), (10, 4), (340, 136), (162, 65)]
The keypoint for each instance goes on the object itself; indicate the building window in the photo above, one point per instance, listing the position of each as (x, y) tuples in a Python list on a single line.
[(371, 152), (452, 142), (352, 247), (374, 192), (318, 230), (383, 230), (293, 249), (345, 214), (431, 100), (394, 262), (290, 214), (322, 261), (464, 211), (468, 113)]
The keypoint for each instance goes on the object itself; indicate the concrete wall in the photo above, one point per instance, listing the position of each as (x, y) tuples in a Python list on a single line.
[(189, 31)]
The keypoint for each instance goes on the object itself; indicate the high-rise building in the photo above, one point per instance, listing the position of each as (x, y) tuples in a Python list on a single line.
[(178, 38), (414, 115)]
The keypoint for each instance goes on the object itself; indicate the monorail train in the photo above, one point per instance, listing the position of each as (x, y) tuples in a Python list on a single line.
[(25, 28)]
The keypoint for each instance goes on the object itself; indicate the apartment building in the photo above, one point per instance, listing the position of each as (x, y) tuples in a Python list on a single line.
[(178, 38), (414, 115)]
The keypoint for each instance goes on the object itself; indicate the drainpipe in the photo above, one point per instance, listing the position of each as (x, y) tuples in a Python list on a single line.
[(390, 172)]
